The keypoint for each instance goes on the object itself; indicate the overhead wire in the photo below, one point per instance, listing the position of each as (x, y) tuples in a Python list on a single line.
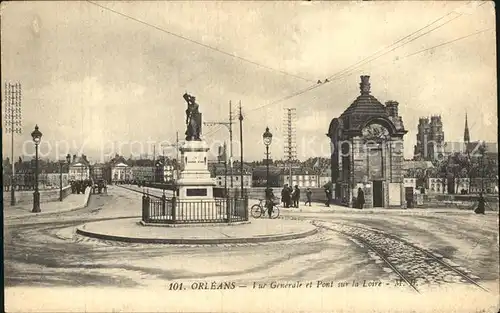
[(341, 73), (446, 43), (418, 52), (200, 43)]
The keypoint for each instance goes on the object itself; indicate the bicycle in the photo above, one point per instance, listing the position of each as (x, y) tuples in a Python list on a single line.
[(259, 209)]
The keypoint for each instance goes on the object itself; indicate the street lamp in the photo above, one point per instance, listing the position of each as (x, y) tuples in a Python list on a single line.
[(37, 137), (61, 163), (267, 137)]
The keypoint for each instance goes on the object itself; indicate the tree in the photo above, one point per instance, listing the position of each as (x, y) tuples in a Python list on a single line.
[(457, 165)]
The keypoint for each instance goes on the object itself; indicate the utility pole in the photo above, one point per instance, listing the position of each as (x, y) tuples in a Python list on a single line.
[(224, 157), (231, 143), (290, 146), (176, 145), (229, 125), (13, 125), (178, 161), (154, 163), (241, 152)]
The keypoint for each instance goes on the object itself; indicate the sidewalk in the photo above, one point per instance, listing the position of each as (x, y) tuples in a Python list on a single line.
[(333, 208), (258, 230), (70, 203)]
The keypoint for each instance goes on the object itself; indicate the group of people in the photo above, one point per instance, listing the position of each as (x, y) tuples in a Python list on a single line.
[(290, 196)]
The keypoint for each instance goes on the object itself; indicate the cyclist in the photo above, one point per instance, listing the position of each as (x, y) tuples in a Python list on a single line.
[(270, 203)]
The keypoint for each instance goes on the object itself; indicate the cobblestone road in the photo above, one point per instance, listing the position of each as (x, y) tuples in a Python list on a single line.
[(420, 267), (45, 251)]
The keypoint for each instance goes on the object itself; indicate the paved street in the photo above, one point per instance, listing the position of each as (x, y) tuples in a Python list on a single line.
[(71, 202), (45, 251)]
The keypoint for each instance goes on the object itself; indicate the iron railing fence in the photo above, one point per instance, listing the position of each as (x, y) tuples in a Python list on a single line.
[(174, 211)]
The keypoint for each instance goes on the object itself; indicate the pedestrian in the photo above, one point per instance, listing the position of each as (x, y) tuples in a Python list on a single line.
[(480, 204), (296, 196), (283, 195), (360, 198), (308, 196), (270, 201), (328, 195), (289, 196)]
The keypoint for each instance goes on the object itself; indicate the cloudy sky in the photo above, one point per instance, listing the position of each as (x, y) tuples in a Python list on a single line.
[(98, 82)]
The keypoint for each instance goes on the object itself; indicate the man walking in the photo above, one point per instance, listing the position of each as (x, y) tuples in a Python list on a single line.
[(360, 199), (283, 195), (328, 193), (289, 196), (296, 196), (308, 196)]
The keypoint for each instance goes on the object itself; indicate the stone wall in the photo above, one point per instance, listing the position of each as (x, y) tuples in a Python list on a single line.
[(26, 196)]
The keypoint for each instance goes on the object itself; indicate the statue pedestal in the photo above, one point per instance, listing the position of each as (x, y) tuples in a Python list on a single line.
[(195, 182)]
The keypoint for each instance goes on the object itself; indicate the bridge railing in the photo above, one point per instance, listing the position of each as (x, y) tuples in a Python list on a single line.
[(174, 211)]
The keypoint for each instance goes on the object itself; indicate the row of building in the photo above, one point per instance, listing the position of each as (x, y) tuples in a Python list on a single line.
[(278, 176), (120, 170)]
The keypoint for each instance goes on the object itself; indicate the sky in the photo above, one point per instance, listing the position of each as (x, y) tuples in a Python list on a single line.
[(99, 83)]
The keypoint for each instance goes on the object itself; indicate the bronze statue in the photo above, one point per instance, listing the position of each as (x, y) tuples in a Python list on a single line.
[(193, 118)]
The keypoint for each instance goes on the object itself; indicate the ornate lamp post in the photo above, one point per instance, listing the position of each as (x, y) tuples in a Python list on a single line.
[(37, 137), (61, 163), (267, 137)]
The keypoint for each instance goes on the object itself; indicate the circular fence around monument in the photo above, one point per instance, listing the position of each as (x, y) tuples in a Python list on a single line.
[(163, 210)]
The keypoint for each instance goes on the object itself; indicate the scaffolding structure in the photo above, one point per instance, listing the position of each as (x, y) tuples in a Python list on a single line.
[(12, 124), (289, 135)]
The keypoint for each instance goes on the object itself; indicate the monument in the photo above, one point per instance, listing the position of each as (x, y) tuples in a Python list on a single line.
[(194, 182), (367, 152)]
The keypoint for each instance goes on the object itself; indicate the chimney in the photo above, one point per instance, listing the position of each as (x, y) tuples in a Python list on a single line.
[(364, 86), (392, 108)]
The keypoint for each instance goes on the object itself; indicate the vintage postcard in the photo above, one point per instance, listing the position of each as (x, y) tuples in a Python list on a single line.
[(250, 156)]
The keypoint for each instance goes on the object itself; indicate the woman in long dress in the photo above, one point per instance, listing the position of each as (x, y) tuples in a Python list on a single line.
[(480, 204)]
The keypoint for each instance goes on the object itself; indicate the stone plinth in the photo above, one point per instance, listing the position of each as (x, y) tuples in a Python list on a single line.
[(195, 182)]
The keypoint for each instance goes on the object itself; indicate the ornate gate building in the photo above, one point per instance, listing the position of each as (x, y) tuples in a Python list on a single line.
[(367, 152)]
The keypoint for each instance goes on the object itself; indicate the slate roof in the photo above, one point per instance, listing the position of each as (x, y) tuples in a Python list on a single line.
[(261, 171), (365, 108), (366, 105), (472, 147), (81, 161)]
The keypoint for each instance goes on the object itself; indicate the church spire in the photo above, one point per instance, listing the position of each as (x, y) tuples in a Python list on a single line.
[(466, 131)]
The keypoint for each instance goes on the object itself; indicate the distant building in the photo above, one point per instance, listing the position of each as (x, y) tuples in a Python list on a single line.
[(301, 178), (224, 179), (121, 172), (79, 169), (430, 139), (259, 176), (142, 173), (410, 182), (100, 171), (440, 185), (367, 151)]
